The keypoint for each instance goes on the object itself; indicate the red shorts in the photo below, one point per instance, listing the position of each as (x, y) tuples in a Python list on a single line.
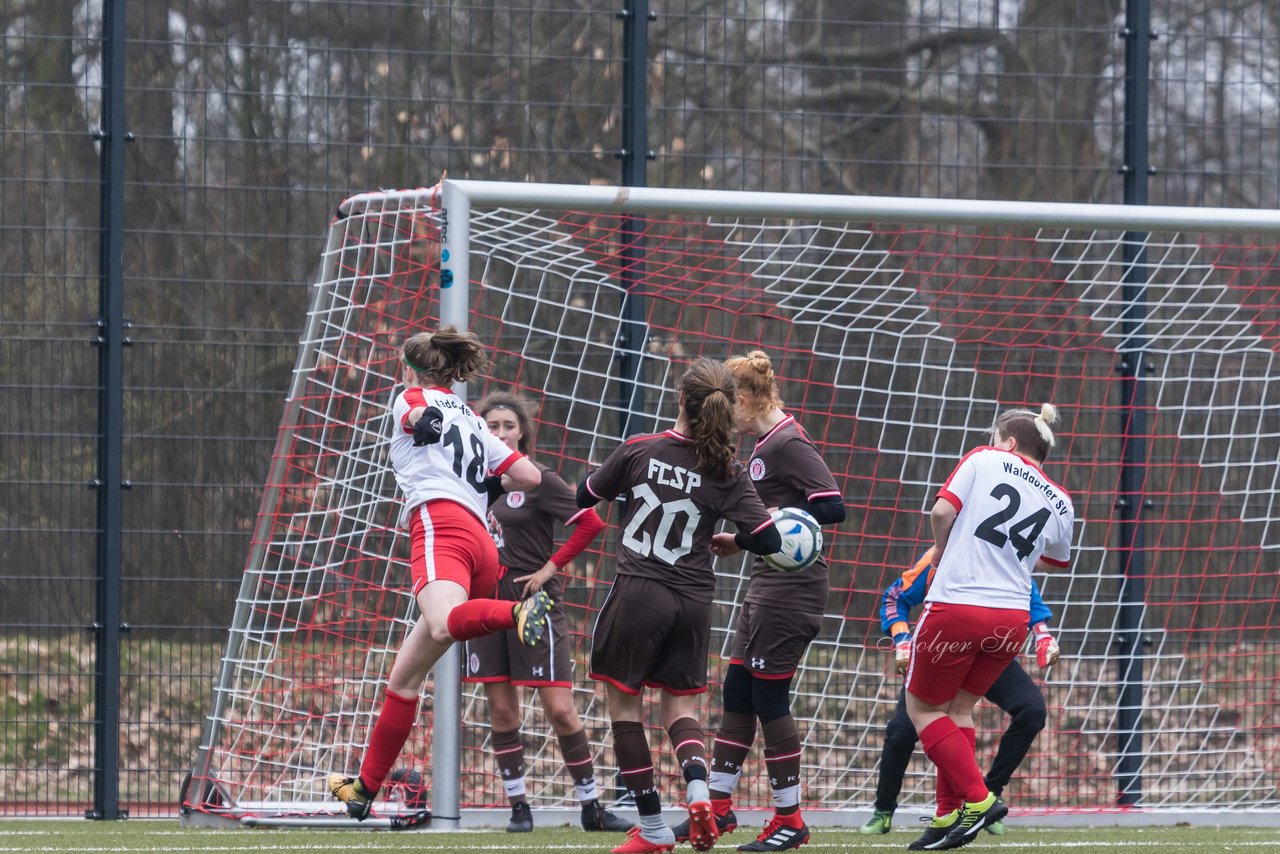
[(962, 648), (448, 543)]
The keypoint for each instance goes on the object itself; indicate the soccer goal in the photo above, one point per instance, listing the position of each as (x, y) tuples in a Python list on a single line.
[(898, 327)]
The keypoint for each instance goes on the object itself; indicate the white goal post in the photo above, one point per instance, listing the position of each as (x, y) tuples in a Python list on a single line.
[(898, 328)]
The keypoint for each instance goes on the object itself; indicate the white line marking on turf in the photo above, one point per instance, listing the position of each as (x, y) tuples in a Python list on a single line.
[(409, 843)]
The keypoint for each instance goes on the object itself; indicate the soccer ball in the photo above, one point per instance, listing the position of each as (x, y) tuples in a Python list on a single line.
[(801, 540)]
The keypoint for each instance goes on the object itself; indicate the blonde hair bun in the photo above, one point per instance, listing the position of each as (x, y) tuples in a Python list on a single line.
[(1048, 415)]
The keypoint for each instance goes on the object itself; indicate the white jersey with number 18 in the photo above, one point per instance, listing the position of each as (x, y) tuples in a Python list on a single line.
[(1010, 515), (453, 468)]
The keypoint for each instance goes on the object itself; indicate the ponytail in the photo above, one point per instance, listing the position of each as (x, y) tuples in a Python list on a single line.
[(708, 390), (446, 356)]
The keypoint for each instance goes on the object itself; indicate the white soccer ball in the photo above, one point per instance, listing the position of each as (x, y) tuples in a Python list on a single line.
[(801, 540)]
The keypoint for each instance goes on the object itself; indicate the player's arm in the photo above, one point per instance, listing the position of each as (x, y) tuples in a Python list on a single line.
[(521, 476), (950, 500), (419, 418), (1047, 564), (558, 501), (606, 482), (756, 531), (827, 509), (765, 540), (942, 518), (808, 472), (1046, 645), (509, 471), (896, 603)]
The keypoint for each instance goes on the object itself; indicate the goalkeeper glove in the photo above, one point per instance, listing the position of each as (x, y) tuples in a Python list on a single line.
[(429, 426), (902, 651), (1046, 647)]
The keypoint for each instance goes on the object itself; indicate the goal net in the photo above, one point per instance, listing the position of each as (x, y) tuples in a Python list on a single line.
[(898, 329)]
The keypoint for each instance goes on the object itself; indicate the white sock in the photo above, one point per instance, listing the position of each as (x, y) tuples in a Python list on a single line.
[(513, 788), (655, 829), (698, 792), (723, 781)]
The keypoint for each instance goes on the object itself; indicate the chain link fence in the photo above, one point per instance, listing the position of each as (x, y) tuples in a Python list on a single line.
[(250, 121)]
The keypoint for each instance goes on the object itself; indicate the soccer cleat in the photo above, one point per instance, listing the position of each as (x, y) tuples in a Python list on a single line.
[(881, 821), (996, 828), (521, 818), (777, 836), (973, 817), (596, 817), (703, 829), (531, 618), (726, 823), (637, 844), (351, 792), (935, 833)]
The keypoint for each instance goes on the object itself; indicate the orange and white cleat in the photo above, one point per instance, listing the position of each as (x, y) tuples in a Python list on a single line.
[(637, 844)]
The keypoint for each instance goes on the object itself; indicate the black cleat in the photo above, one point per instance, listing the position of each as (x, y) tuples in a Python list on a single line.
[(352, 792), (777, 836), (973, 817), (934, 833), (521, 818), (726, 823), (596, 817)]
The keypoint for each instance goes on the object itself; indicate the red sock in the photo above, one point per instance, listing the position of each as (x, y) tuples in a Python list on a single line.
[(481, 617), (948, 748), (390, 732), (947, 800), (788, 819), (721, 806)]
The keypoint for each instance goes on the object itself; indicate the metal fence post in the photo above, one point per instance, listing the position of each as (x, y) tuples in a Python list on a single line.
[(635, 156), (1130, 504), (110, 482)]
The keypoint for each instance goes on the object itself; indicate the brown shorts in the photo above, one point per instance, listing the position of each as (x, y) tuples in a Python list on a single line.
[(650, 636), (502, 657), (770, 642)]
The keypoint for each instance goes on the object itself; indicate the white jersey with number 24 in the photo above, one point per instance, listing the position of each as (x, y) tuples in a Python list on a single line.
[(1010, 515)]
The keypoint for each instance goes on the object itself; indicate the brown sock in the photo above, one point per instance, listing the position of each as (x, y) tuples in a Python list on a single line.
[(635, 763), (782, 758), (690, 742), (576, 750), (508, 750), (729, 751)]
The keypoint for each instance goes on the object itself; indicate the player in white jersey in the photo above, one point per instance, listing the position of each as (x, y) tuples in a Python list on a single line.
[(447, 464), (997, 518)]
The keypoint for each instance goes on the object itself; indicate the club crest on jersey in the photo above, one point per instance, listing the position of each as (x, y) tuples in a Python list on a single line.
[(756, 468), (515, 499), (475, 663)]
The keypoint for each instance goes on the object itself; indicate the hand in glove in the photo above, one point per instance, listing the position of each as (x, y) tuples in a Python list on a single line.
[(902, 651), (1047, 651), (428, 427)]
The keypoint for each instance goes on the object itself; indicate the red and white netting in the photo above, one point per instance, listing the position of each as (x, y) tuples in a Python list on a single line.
[(895, 345)]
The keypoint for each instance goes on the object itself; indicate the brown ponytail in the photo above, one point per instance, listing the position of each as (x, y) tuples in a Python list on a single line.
[(753, 376), (708, 391), (446, 356)]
